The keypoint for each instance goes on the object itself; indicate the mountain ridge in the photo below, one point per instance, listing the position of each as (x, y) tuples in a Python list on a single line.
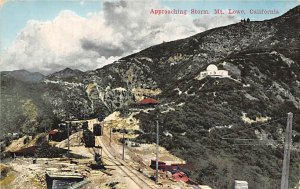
[(263, 61), (65, 73), (24, 75)]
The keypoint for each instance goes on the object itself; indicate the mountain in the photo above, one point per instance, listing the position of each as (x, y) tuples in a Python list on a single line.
[(24, 75), (209, 119), (65, 73)]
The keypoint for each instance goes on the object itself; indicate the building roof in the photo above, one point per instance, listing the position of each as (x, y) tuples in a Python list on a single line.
[(68, 175), (53, 132), (26, 150), (212, 67), (148, 101), (180, 176)]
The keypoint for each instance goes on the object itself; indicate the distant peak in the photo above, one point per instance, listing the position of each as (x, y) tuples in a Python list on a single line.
[(68, 69), (67, 72), (22, 70), (24, 75)]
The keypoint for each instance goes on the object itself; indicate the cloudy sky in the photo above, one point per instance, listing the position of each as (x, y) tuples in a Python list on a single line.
[(47, 36)]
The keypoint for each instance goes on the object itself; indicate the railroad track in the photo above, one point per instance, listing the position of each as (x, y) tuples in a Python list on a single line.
[(136, 178)]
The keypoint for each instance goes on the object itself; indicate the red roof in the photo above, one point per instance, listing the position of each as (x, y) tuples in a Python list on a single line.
[(26, 150), (180, 176), (148, 101), (53, 132)]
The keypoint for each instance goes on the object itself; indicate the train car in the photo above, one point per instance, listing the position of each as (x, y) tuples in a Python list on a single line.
[(85, 125), (97, 129), (101, 117), (89, 138)]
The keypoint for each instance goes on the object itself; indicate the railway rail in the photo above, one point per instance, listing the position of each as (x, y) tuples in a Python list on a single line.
[(135, 177)]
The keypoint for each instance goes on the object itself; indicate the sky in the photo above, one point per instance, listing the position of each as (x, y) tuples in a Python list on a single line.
[(47, 35)]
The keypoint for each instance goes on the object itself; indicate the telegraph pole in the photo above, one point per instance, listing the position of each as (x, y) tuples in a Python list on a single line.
[(157, 142), (287, 150), (110, 136), (68, 124), (78, 136), (123, 155)]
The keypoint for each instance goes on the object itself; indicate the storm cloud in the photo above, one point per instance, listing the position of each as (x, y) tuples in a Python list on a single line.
[(103, 49), (119, 29)]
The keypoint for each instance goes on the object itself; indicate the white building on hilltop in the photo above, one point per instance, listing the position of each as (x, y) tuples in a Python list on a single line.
[(213, 71)]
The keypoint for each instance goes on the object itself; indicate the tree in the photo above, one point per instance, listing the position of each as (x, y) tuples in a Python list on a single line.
[(30, 112)]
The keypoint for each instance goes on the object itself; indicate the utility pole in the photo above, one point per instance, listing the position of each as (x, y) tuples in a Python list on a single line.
[(157, 142), (287, 150), (123, 155), (110, 136), (68, 127), (78, 137)]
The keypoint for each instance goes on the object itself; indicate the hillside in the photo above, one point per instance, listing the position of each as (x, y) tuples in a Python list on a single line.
[(23, 107), (24, 75), (65, 73), (263, 60)]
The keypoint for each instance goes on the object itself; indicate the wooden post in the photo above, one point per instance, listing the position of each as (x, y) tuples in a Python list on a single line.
[(157, 143), (110, 136), (123, 155), (68, 139), (287, 151), (78, 136)]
